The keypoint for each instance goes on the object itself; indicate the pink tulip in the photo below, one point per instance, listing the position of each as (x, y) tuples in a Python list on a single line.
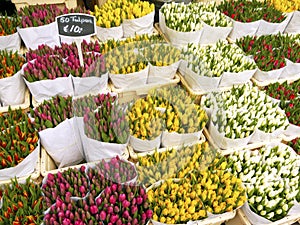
[(122, 197), (112, 199), (139, 200), (102, 215), (125, 204)]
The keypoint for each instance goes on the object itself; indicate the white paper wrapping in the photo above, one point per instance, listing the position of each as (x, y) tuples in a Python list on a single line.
[(200, 83), (140, 145), (10, 42), (104, 34), (291, 70), (12, 90), (91, 85), (162, 73), (268, 76), (143, 25), (229, 79), (211, 34), (136, 79), (70, 40), (162, 21), (180, 39), (266, 28), (225, 143), (292, 131), (293, 26), (174, 139), (25, 168), (35, 36), (45, 89), (256, 219), (63, 143), (261, 136), (241, 29), (96, 150)]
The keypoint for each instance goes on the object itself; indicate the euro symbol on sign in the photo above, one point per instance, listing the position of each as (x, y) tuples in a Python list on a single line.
[(66, 28)]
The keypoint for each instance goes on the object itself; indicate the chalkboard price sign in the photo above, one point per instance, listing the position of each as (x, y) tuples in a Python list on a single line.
[(76, 25)]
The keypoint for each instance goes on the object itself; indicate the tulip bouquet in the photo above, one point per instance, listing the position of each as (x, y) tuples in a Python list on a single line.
[(271, 176), (242, 110), (124, 204), (112, 13), (117, 170), (292, 111), (145, 121), (46, 67), (284, 6), (12, 118), (215, 60), (106, 173), (8, 25), (38, 15), (172, 208), (19, 138), (284, 91), (21, 203), (271, 51), (128, 62), (220, 191), (255, 10), (295, 144), (83, 211), (52, 112), (11, 63), (108, 123), (181, 114), (88, 103), (161, 54), (173, 163), (72, 182)]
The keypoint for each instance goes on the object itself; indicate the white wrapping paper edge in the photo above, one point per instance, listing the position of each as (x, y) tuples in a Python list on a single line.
[(266, 28), (211, 35), (142, 25), (261, 136), (241, 29), (140, 145), (63, 143), (12, 90), (136, 79), (91, 85), (255, 219), (104, 34), (35, 36), (174, 139), (10, 42), (291, 70), (224, 142), (158, 73), (293, 26), (25, 168), (45, 89), (268, 76), (292, 132)]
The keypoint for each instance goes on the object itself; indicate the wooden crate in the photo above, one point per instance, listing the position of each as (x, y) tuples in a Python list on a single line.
[(24, 106)]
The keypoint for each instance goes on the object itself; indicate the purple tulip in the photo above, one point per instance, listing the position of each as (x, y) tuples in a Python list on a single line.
[(94, 209), (102, 215), (125, 204), (139, 200), (112, 199), (122, 197)]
